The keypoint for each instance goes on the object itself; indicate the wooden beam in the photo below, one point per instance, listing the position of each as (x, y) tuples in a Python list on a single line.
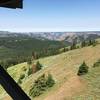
[(11, 3), (11, 86)]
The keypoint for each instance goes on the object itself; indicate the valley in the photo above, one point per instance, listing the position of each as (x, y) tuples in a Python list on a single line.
[(49, 50), (64, 67)]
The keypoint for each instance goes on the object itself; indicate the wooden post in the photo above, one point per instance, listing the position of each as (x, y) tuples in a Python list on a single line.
[(11, 3), (11, 86)]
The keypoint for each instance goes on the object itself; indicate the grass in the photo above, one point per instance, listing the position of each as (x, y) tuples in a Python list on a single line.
[(64, 69), (17, 70), (92, 91)]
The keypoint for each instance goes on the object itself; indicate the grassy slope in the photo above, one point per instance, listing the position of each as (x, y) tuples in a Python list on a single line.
[(64, 69)]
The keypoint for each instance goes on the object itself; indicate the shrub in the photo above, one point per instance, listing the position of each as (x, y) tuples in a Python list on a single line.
[(38, 86), (64, 49), (97, 64), (41, 85), (38, 66), (73, 46), (30, 71), (83, 69), (19, 81), (22, 76), (90, 42), (50, 81), (29, 61), (83, 44), (78, 47), (94, 43)]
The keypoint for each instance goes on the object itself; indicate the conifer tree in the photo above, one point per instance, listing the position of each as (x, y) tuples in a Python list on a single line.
[(50, 80), (83, 44), (38, 66), (83, 69)]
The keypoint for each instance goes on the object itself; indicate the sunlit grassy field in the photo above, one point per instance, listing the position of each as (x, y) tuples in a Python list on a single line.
[(64, 69)]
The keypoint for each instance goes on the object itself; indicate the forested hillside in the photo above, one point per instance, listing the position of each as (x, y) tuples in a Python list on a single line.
[(62, 72), (21, 48)]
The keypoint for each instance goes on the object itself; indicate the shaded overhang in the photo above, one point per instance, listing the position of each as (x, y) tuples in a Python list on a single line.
[(11, 3)]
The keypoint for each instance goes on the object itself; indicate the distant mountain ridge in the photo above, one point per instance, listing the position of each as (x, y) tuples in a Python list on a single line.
[(57, 36)]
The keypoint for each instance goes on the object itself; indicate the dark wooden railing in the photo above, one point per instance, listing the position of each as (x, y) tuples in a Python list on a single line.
[(11, 3), (11, 86)]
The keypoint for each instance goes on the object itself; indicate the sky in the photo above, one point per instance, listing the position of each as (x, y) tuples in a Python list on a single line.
[(52, 16)]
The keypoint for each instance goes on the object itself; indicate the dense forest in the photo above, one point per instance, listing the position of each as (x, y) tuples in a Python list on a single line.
[(19, 49)]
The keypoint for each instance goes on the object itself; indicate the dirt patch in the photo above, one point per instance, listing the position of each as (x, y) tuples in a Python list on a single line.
[(69, 88), (7, 97)]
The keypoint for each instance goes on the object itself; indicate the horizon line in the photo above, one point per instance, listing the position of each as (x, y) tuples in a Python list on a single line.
[(47, 31)]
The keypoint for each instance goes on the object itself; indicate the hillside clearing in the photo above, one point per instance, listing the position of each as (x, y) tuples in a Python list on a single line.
[(64, 69)]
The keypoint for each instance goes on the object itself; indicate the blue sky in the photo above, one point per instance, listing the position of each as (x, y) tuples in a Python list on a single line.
[(52, 15)]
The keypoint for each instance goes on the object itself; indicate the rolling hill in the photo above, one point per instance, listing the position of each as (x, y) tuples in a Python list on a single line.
[(21, 47), (57, 36), (14, 45), (64, 69)]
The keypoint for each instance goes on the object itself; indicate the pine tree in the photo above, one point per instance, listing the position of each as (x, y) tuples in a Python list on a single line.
[(30, 71), (38, 66), (41, 85), (29, 61), (83, 69), (83, 44), (50, 81), (73, 46), (94, 42), (90, 42)]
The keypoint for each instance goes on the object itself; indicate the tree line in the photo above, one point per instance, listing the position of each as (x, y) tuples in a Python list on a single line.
[(84, 43), (46, 52)]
